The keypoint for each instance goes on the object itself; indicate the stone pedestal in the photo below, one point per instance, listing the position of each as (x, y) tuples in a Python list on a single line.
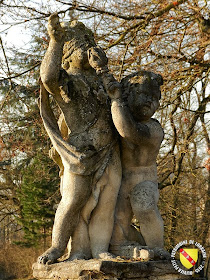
[(107, 269)]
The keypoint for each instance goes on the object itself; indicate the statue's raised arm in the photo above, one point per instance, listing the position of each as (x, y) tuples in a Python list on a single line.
[(122, 117), (87, 152), (51, 64)]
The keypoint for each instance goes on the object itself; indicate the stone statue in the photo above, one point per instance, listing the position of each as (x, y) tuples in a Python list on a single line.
[(133, 103), (86, 147), (85, 143)]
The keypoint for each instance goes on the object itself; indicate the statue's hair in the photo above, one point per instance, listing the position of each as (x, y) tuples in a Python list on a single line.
[(145, 78), (77, 35)]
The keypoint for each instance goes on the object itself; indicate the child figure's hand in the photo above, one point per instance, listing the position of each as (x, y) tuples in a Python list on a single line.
[(97, 58), (112, 86), (55, 30), (114, 89)]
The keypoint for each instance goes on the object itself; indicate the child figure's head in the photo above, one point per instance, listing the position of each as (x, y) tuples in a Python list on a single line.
[(79, 39), (142, 91)]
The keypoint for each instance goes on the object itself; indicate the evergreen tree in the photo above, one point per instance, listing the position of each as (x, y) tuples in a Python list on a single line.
[(29, 180), (37, 195)]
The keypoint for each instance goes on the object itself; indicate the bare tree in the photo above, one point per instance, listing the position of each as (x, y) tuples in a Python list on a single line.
[(168, 38)]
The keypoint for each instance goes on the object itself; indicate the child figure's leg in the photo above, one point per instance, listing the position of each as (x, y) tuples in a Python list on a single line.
[(76, 190), (102, 218), (144, 198), (123, 217), (123, 233)]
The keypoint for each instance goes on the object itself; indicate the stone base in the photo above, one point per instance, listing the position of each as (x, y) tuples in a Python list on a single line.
[(132, 251), (107, 269)]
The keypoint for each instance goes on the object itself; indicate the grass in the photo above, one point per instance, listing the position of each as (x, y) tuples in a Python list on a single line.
[(16, 262)]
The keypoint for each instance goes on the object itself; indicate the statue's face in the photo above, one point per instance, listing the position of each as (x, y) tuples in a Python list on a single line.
[(143, 102), (79, 59)]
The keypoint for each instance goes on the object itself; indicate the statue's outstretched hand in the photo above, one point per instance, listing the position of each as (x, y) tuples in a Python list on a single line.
[(97, 58), (113, 88), (55, 30)]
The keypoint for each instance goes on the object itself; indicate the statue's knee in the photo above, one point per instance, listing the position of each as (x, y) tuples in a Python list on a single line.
[(70, 205), (144, 197)]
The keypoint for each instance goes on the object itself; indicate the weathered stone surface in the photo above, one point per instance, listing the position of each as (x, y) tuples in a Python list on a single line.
[(99, 115), (85, 145), (133, 103), (133, 251), (107, 269)]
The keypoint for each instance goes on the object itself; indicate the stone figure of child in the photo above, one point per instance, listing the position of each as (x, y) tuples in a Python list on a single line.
[(133, 103), (84, 141)]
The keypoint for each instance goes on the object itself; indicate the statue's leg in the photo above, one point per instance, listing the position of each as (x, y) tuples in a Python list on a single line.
[(80, 245), (76, 190), (135, 236), (123, 217), (102, 218), (144, 198)]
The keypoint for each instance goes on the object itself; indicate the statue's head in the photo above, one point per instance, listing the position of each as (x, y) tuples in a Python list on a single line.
[(142, 91), (79, 39)]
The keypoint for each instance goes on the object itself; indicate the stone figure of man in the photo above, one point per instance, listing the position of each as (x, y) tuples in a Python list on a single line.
[(85, 142)]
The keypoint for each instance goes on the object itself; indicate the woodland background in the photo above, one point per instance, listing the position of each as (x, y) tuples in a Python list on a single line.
[(168, 37)]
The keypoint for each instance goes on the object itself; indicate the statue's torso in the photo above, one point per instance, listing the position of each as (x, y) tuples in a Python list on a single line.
[(88, 119)]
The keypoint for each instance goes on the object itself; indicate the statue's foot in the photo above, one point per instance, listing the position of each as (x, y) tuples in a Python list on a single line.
[(106, 256), (78, 256), (161, 254), (50, 256)]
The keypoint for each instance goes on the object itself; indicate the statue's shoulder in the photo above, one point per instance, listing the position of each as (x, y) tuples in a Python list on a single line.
[(156, 122), (158, 127)]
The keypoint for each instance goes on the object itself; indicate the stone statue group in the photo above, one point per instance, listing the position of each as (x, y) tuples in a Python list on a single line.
[(105, 143)]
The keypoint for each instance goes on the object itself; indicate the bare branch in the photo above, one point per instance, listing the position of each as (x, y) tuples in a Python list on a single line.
[(143, 23)]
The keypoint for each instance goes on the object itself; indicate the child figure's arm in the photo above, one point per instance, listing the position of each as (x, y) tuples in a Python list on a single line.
[(125, 123), (122, 118), (51, 64)]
